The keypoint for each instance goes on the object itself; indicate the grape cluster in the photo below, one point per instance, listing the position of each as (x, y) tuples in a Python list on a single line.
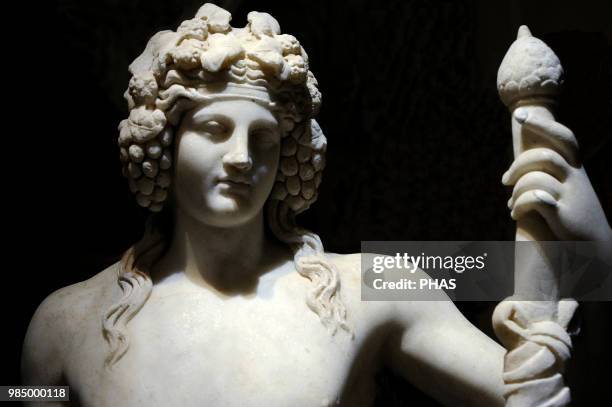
[(301, 165), (145, 150)]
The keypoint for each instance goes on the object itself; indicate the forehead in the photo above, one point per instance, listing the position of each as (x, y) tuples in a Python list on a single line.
[(236, 110)]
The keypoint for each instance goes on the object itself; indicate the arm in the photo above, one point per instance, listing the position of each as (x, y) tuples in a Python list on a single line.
[(429, 343), (442, 353), (451, 360), (41, 361)]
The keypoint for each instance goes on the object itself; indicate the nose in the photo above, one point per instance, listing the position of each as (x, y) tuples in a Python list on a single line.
[(238, 155)]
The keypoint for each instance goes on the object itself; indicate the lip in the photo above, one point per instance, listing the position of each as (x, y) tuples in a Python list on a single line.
[(233, 181), (237, 185)]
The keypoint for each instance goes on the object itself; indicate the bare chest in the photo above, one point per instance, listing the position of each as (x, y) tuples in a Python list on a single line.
[(199, 351)]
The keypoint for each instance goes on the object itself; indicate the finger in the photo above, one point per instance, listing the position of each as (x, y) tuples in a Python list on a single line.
[(559, 136), (536, 159), (535, 200), (536, 180)]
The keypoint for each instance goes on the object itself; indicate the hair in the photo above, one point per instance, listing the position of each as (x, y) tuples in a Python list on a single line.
[(189, 66)]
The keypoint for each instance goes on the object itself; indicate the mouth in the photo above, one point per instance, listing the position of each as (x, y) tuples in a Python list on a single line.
[(234, 185)]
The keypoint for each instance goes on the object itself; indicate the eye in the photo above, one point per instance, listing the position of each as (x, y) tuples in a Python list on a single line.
[(213, 129), (265, 137)]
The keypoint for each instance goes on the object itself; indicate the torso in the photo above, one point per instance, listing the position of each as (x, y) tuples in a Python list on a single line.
[(191, 347)]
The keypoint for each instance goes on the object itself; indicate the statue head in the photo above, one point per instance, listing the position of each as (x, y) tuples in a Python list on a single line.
[(208, 64), (222, 121)]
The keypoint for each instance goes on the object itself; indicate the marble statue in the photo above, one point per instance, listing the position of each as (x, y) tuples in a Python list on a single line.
[(226, 301)]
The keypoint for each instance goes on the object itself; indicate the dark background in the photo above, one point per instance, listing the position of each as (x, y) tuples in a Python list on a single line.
[(418, 138)]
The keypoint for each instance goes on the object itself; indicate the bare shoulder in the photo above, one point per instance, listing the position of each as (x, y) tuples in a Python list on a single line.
[(73, 302), (349, 268), (363, 313), (57, 321), (404, 313)]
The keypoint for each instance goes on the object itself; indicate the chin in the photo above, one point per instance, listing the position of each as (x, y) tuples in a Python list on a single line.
[(228, 211)]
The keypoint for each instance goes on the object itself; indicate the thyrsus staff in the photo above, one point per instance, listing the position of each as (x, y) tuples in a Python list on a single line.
[(552, 199)]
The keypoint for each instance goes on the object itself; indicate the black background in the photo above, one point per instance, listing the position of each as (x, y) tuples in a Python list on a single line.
[(417, 137)]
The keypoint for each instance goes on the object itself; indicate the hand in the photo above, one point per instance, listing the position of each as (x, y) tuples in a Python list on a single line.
[(548, 179)]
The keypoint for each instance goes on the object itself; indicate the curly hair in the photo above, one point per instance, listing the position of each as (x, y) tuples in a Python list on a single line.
[(203, 61)]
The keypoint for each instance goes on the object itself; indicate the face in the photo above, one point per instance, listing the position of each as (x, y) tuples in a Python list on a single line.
[(226, 157)]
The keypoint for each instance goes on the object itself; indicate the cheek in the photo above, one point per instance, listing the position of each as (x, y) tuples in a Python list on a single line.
[(195, 160), (195, 153), (266, 164)]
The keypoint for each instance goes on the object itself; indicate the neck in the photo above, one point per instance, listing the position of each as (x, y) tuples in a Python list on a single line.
[(227, 259)]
